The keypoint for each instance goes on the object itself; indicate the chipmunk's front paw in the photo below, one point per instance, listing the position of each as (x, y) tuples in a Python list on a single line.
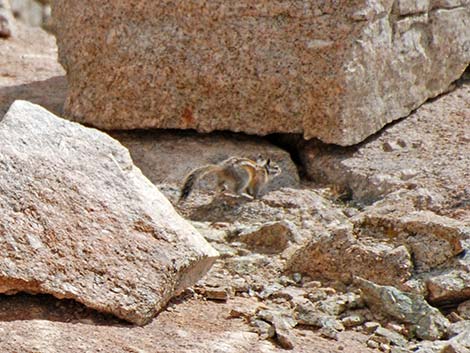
[(248, 196)]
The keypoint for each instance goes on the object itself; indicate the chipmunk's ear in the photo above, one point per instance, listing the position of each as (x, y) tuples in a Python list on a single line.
[(264, 163), (260, 160)]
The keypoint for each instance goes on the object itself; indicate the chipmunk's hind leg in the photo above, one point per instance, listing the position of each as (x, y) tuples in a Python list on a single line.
[(254, 190), (242, 189)]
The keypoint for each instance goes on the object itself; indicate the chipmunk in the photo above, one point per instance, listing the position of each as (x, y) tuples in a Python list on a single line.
[(241, 176)]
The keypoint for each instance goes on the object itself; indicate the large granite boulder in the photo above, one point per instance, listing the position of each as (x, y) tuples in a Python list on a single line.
[(338, 71), (79, 221)]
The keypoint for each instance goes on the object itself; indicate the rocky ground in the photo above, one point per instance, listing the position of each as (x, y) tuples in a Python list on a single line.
[(347, 261)]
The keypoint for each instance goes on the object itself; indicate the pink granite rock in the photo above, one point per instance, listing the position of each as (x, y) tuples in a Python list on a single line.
[(79, 221), (338, 71)]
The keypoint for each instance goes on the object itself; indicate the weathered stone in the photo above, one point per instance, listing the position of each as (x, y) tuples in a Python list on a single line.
[(312, 214), (336, 71), (79, 221), (308, 314), (6, 19), (30, 71), (210, 233), (268, 238), (270, 289), (328, 332), (437, 145), (426, 321), (371, 326), (245, 311), (342, 256), (264, 329), (391, 337), (451, 285), (216, 293), (457, 328), (246, 265), (461, 342), (453, 348), (282, 322), (429, 347), (338, 303), (372, 344), (352, 320), (400, 350), (464, 310), (432, 239), (289, 293), (167, 157)]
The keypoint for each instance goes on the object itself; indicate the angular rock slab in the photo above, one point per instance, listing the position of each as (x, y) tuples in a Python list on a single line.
[(79, 221), (341, 256), (338, 71), (426, 153), (426, 321), (432, 239)]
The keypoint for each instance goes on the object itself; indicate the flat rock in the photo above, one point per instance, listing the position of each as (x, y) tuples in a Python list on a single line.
[(433, 239), (391, 337), (79, 221), (268, 238), (308, 211), (431, 160), (338, 71), (341, 256)]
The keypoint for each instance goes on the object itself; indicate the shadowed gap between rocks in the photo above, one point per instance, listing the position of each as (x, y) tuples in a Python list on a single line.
[(49, 93), (23, 307)]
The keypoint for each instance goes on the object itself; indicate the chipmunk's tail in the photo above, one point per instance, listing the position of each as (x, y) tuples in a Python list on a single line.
[(192, 178)]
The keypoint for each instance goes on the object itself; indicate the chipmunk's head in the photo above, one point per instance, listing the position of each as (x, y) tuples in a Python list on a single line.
[(272, 168)]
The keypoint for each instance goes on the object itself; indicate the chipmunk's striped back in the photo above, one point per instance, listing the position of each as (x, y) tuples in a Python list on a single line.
[(241, 176)]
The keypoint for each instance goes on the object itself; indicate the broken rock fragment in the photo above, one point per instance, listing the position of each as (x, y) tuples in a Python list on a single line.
[(432, 239), (450, 285), (426, 321), (269, 238), (79, 221), (341, 256), (6, 19)]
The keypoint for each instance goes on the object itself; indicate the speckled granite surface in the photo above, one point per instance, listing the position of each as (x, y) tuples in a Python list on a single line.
[(336, 70)]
